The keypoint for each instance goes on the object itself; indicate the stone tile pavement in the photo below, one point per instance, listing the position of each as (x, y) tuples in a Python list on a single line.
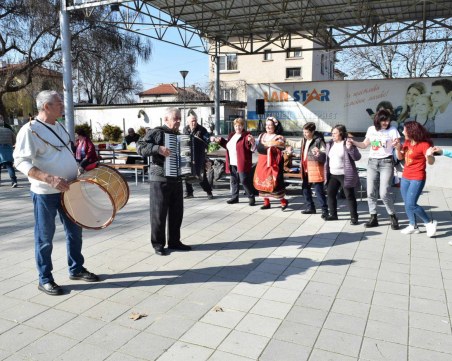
[(258, 285)]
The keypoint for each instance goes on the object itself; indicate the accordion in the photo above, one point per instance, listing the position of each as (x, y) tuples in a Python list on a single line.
[(181, 161)]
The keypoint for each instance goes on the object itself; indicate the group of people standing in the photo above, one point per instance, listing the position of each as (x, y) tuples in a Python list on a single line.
[(43, 154), (332, 166)]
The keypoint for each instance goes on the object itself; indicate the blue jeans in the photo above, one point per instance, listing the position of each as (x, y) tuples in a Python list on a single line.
[(379, 180), (306, 188), (46, 207), (411, 191)]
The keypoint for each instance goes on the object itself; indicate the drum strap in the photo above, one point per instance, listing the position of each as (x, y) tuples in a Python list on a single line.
[(56, 135)]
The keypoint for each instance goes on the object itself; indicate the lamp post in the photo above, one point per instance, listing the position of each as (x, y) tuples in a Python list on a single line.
[(184, 75)]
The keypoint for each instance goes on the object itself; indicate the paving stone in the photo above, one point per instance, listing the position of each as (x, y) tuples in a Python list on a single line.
[(429, 340), (225, 318), (18, 337), (339, 342), (271, 308), (280, 350), (259, 325), (237, 302), (244, 344), (428, 306), (225, 356), (390, 300), (80, 327), (22, 311), (345, 323), (379, 350), (387, 332), (181, 351), (85, 351), (419, 354), (106, 311), (297, 333), (206, 335), (322, 355), (48, 347), (147, 346), (430, 322), (389, 315), (171, 326), (307, 315), (50, 319), (312, 300)]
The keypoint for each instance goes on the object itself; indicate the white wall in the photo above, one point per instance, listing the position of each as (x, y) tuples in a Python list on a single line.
[(126, 116)]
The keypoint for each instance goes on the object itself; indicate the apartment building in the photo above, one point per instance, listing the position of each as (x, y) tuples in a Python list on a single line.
[(278, 63)]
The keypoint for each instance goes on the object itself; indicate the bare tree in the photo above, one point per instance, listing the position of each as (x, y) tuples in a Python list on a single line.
[(30, 38), (413, 58), (106, 66)]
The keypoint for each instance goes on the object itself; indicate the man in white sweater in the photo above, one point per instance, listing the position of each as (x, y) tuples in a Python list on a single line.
[(43, 153)]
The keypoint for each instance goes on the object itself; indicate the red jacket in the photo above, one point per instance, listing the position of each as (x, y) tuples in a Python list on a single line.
[(244, 153)]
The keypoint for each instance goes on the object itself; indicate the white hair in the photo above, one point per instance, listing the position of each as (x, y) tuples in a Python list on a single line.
[(46, 96), (170, 111)]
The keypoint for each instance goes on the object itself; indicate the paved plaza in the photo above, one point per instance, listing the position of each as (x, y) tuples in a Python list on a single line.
[(258, 285)]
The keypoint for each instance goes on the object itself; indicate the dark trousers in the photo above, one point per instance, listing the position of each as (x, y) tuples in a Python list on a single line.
[(319, 191), (334, 183), (236, 179), (205, 185), (166, 203)]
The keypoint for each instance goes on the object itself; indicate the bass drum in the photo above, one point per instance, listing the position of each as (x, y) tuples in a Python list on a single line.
[(94, 198)]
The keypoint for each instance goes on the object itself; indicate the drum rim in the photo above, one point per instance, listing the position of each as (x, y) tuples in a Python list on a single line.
[(122, 177), (106, 224)]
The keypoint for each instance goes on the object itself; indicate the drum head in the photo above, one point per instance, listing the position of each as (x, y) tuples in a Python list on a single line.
[(89, 205)]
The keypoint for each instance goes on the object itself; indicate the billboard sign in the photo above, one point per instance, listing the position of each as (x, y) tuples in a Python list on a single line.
[(349, 102)]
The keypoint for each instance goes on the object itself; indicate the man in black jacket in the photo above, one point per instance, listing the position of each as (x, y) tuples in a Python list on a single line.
[(166, 193), (201, 137)]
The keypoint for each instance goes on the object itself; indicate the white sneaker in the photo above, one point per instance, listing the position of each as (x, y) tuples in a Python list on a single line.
[(431, 228), (410, 230)]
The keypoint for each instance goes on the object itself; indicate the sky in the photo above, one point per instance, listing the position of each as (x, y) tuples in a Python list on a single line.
[(166, 62)]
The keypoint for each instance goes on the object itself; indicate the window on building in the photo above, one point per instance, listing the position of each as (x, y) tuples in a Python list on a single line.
[(293, 73), (228, 94), (268, 55), (322, 61), (294, 53), (228, 62)]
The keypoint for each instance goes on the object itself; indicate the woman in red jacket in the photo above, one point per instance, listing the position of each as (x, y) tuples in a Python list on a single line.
[(85, 153), (239, 147)]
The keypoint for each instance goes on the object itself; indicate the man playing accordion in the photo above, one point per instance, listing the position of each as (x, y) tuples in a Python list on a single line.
[(166, 192)]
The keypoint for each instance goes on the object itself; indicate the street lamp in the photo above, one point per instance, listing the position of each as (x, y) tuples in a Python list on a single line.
[(184, 75)]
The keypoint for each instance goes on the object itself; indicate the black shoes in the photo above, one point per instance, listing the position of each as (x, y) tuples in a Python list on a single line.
[(232, 201), (188, 195), (308, 211), (354, 221), (394, 221), (209, 196), (331, 218), (251, 201), (160, 251), (179, 247), (372, 222), (266, 206), (324, 215), (85, 275), (51, 289)]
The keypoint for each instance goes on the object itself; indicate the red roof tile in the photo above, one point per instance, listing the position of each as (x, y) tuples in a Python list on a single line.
[(162, 89)]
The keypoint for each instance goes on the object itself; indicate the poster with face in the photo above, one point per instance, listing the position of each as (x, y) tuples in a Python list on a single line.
[(326, 103)]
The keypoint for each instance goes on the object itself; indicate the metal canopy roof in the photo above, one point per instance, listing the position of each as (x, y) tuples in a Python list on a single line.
[(248, 25)]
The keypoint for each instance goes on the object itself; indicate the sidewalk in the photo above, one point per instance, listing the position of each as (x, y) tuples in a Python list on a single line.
[(258, 285)]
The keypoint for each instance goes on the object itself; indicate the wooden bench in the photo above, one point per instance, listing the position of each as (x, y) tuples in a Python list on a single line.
[(131, 168), (294, 178)]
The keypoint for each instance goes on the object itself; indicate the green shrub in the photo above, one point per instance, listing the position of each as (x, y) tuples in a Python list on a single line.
[(85, 128), (213, 147), (112, 133)]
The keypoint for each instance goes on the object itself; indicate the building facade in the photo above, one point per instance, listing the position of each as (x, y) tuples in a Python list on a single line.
[(279, 63)]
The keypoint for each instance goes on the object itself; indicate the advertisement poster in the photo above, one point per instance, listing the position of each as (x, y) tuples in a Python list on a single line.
[(352, 103)]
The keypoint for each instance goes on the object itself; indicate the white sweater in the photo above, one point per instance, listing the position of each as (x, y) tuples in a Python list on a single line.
[(36, 146)]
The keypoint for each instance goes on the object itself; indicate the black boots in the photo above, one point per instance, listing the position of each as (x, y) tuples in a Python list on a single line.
[(394, 221), (373, 221)]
